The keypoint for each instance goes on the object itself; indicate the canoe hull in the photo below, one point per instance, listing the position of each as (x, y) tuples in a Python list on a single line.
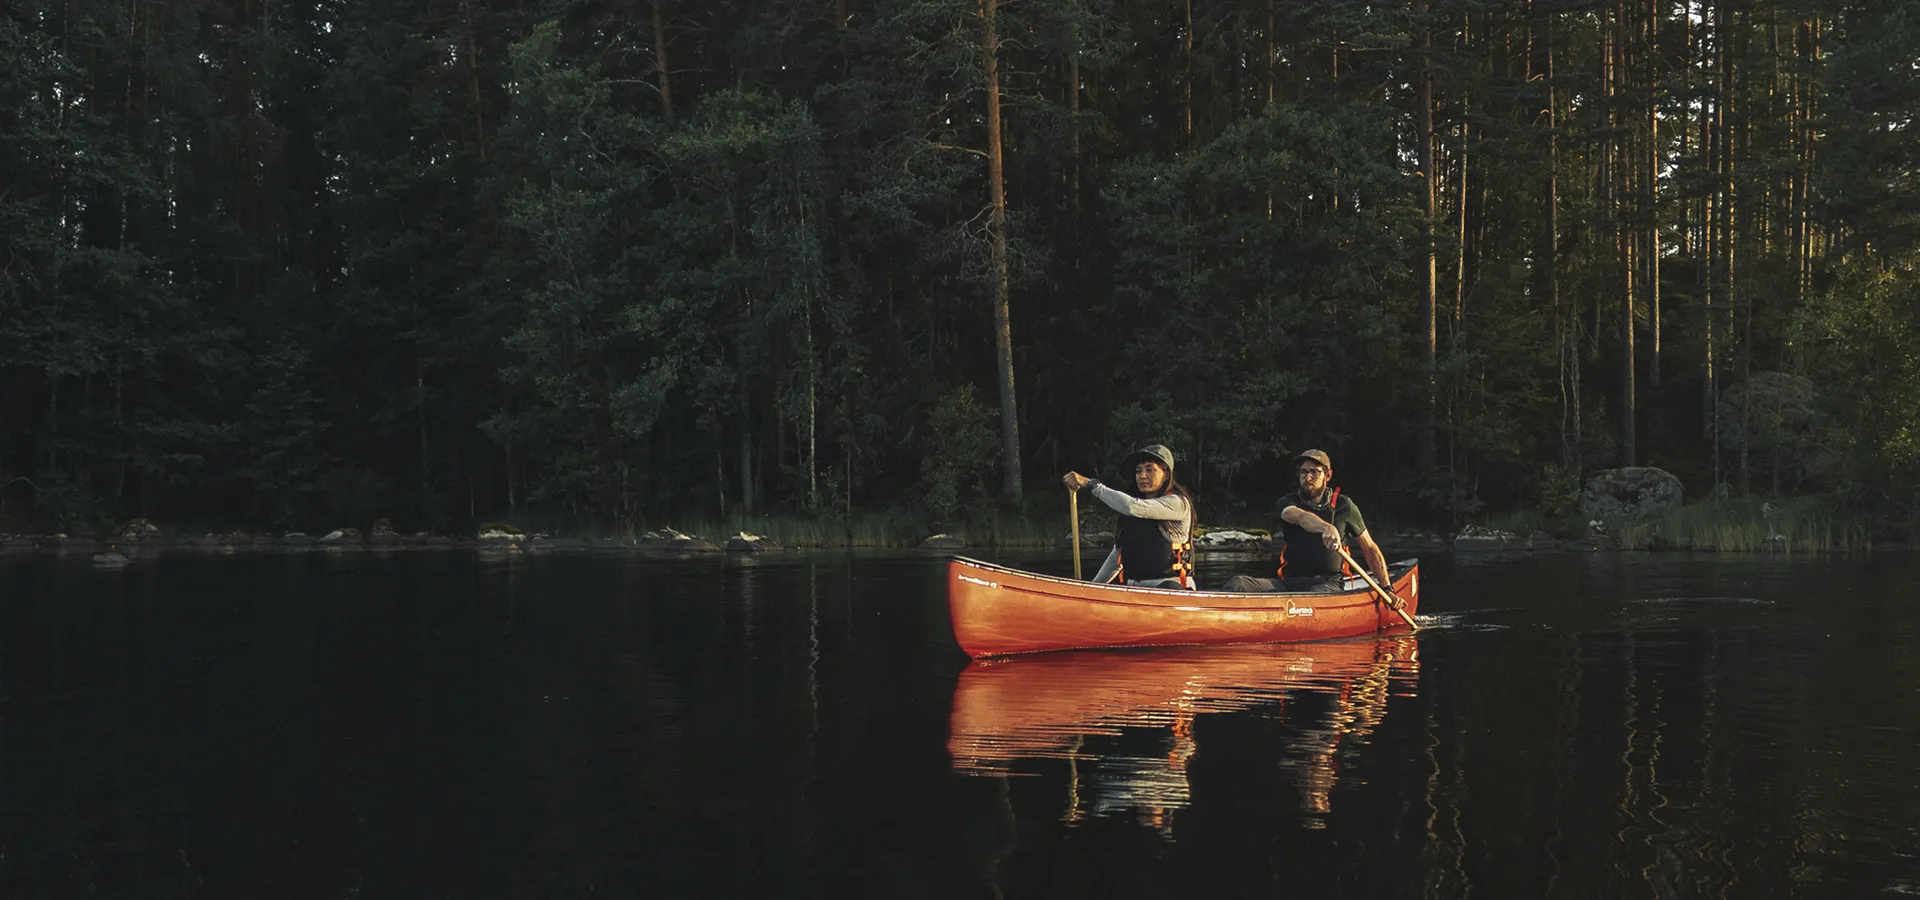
[(998, 611)]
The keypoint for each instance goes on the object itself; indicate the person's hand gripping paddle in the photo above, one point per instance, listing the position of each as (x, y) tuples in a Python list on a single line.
[(1386, 597)]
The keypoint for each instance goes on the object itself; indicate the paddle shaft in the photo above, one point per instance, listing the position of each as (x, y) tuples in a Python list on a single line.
[(1393, 603), (1073, 509)]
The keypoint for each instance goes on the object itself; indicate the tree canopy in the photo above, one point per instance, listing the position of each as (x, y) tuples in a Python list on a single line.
[(631, 262)]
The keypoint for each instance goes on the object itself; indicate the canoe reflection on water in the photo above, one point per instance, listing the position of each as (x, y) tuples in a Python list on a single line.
[(1096, 708)]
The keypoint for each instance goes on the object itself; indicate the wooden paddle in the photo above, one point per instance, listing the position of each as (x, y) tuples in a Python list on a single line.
[(1073, 509), (1392, 601)]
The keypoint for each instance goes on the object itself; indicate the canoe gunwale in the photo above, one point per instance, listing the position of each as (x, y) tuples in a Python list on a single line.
[(1156, 596)]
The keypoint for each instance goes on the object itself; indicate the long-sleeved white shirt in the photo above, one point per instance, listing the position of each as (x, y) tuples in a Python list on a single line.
[(1172, 510)]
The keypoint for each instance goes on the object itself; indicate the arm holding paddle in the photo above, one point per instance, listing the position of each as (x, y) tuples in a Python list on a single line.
[(1330, 535), (1392, 600), (1167, 508), (1111, 567), (1370, 551)]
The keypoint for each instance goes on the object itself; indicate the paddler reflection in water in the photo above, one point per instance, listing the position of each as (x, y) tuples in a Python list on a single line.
[(1153, 544), (1314, 522)]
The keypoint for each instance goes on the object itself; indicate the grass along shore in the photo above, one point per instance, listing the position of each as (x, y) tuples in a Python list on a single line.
[(1782, 525), (882, 530), (1779, 525)]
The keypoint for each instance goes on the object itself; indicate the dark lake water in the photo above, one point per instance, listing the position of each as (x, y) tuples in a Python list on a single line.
[(459, 724)]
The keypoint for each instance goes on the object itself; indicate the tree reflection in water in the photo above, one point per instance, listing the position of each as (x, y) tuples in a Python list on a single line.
[(1123, 720)]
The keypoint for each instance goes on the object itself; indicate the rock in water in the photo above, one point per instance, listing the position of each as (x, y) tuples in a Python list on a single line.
[(943, 541), (109, 559), (1614, 495)]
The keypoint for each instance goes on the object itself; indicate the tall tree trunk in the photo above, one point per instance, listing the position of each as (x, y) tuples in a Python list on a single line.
[(1272, 72), (1073, 117), (1430, 264), (1187, 82), (1625, 240), (1653, 195), (997, 238), (1460, 229), (1730, 148), (1711, 123), (660, 58), (1684, 116), (746, 453), (473, 80), (813, 413), (1549, 255)]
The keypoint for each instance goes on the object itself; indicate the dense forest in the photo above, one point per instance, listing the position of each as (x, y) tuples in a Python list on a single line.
[(634, 262)]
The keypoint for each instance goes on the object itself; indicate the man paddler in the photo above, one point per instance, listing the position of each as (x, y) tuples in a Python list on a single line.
[(1152, 544), (1314, 523)]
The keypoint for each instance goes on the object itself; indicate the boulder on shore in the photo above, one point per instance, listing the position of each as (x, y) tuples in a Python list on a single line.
[(500, 531), (751, 543), (1631, 493), (139, 530), (1231, 539), (1474, 538), (110, 560), (943, 541), (669, 539), (341, 536)]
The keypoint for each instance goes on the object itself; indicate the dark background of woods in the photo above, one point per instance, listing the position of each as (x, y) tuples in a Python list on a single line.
[(646, 261)]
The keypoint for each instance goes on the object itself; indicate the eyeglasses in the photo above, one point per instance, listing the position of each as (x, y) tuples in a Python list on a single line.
[(1312, 470)]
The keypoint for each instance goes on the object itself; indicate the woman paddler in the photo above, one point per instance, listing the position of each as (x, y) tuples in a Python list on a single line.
[(1152, 546)]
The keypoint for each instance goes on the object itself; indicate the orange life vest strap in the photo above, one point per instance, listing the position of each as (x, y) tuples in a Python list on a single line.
[(1182, 565)]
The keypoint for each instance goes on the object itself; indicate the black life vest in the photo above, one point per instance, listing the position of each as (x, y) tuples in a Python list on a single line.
[(1147, 553), (1311, 548)]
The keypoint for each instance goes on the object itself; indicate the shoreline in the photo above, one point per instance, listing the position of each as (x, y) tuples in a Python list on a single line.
[(1471, 547)]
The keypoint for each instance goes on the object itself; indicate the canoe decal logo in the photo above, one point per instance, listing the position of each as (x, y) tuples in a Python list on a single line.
[(973, 580), (1299, 610)]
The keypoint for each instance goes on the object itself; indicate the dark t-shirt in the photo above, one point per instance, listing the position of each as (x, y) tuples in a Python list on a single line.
[(1305, 553)]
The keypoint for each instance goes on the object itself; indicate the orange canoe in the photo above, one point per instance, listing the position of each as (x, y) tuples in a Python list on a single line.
[(997, 610)]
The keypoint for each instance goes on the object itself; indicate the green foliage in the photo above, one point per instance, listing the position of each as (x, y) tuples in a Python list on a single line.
[(1861, 335), (956, 454), (1559, 490)]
